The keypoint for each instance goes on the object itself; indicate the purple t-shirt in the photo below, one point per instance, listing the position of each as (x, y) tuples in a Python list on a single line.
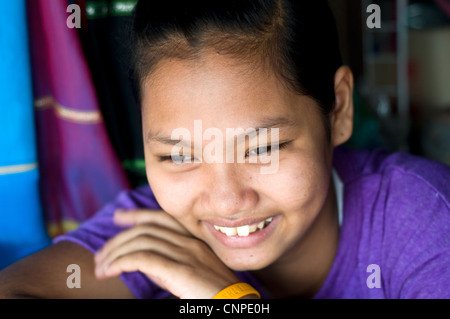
[(394, 239)]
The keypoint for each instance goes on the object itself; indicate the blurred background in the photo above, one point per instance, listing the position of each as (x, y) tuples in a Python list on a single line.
[(71, 133)]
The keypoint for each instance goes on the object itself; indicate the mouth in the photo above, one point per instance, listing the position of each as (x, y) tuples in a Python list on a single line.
[(244, 234), (245, 230)]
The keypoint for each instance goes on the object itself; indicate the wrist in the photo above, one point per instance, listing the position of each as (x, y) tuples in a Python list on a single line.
[(239, 290)]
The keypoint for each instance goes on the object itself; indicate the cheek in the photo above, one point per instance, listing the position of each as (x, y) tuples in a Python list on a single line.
[(171, 193), (301, 184)]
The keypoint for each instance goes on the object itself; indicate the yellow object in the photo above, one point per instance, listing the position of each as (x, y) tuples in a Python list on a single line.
[(62, 227), (237, 291)]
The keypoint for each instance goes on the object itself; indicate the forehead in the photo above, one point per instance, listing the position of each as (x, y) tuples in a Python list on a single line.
[(215, 89)]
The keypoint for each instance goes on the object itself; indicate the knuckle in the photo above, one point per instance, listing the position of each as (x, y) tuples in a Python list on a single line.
[(141, 228), (196, 245), (143, 240), (141, 257)]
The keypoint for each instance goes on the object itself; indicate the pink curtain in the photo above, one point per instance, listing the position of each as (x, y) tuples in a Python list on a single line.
[(79, 169)]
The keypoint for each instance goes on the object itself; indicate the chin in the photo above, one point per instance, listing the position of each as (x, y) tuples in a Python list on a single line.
[(245, 261)]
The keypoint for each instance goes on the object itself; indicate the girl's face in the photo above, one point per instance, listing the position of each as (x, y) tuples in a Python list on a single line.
[(226, 204)]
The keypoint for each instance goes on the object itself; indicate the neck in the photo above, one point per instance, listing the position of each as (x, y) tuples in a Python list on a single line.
[(302, 270)]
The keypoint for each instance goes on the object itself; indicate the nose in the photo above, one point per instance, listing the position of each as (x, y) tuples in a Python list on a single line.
[(227, 192)]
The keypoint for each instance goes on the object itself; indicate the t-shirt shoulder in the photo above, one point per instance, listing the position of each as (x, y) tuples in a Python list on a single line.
[(405, 223), (357, 164)]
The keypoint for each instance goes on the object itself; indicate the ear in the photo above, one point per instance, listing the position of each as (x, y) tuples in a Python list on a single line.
[(342, 116)]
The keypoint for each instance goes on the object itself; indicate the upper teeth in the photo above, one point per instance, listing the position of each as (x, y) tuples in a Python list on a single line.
[(243, 230)]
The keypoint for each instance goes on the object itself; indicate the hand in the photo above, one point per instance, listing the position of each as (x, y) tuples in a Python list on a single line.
[(161, 248)]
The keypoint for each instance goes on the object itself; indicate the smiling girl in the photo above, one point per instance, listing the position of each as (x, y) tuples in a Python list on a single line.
[(202, 229)]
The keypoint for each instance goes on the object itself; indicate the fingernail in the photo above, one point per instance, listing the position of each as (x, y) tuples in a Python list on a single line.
[(101, 269), (105, 268), (98, 271), (120, 214), (119, 211)]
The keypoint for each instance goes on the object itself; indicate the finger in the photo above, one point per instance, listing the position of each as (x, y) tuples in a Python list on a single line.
[(179, 278), (154, 265), (144, 216), (127, 235), (141, 243)]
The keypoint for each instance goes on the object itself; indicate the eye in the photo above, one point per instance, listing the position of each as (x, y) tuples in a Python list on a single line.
[(259, 151), (177, 159), (263, 150)]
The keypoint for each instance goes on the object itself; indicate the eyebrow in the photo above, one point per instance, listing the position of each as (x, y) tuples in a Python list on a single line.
[(267, 123)]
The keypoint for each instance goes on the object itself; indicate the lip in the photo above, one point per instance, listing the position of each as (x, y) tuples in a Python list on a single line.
[(253, 239), (235, 223)]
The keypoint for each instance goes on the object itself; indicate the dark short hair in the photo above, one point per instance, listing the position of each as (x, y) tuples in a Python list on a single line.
[(298, 39)]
